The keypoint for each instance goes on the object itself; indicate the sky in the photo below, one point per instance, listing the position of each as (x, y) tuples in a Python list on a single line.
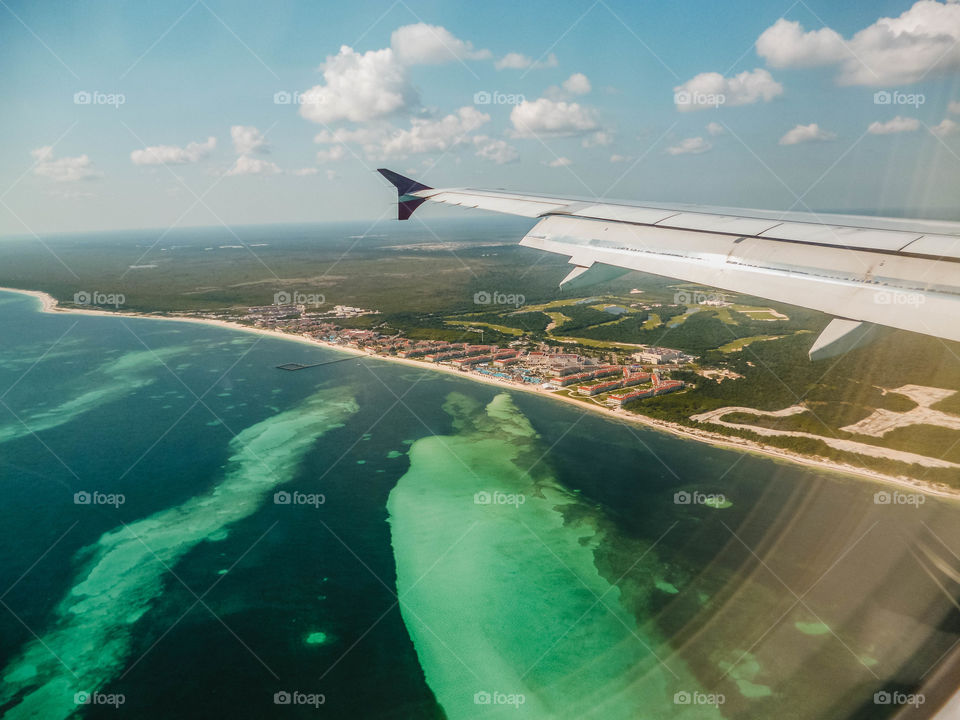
[(124, 115)]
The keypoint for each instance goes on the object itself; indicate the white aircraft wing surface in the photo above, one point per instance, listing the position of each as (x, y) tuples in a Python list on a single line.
[(903, 274)]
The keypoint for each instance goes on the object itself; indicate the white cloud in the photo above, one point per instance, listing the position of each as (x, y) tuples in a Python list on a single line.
[(519, 61), (785, 44), (332, 154), (247, 165), (711, 90), (303, 172), (247, 139), (173, 154), (435, 135), (422, 44), (577, 84), (600, 138), (715, 129), (806, 133), (498, 151), (359, 88), (946, 127), (954, 107), (619, 158), (892, 51), (423, 136), (559, 162), (690, 146), (550, 117), (897, 125), (65, 169)]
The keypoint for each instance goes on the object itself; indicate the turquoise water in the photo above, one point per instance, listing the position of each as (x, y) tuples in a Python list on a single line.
[(413, 545)]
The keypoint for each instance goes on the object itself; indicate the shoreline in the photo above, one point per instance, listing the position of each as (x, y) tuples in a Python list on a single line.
[(49, 304)]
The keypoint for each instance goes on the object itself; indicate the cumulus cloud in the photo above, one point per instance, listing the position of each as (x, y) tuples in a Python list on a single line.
[(65, 169), (552, 117), (559, 162), (600, 138), (423, 44), (785, 44), (897, 125), (247, 165), (711, 90), (519, 61), (495, 150), (806, 133), (359, 88), (690, 146), (247, 139), (891, 51), (577, 84), (423, 136), (715, 129), (304, 172), (331, 154), (947, 127), (173, 154)]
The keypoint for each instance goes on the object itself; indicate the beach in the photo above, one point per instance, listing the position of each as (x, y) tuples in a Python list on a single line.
[(49, 304)]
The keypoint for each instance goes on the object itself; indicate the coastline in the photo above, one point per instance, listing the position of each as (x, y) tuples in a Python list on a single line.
[(49, 304)]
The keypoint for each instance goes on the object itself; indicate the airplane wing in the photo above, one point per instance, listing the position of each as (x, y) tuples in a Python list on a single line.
[(903, 274)]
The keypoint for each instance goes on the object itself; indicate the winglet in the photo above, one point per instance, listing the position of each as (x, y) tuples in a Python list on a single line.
[(406, 202)]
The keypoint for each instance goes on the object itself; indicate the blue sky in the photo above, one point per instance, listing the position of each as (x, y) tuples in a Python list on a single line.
[(741, 103)]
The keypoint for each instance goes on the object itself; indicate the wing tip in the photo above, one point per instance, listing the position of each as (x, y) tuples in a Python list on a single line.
[(406, 203)]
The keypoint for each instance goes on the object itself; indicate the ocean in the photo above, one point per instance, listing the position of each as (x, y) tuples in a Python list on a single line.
[(188, 531)]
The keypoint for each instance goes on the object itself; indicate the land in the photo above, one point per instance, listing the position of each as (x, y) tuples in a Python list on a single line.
[(717, 367)]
